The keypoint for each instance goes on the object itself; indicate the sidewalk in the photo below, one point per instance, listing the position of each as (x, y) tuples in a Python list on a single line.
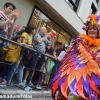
[(36, 94), (14, 90)]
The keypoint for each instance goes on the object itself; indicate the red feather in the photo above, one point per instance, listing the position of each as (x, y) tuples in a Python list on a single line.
[(54, 88), (64, 88), (94, 87), (79, 88)]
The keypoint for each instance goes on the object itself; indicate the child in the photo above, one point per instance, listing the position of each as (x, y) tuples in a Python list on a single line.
[(49, 65), (6, 22), (27, 37), (11, 60)]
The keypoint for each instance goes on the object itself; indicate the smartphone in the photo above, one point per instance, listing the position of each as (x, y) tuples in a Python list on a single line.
[(17, 12), (53, 33)]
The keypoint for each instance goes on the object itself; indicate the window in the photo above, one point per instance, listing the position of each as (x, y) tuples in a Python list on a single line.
[(97, 1), (40, 19), (93, 9), (74, 4)]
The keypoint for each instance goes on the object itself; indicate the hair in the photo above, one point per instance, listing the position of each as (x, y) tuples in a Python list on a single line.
[(16, 38), (7, 4), (51, 50), (23, 27), (29, 28)]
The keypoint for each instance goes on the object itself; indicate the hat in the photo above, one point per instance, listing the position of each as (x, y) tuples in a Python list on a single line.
[(93, 20)]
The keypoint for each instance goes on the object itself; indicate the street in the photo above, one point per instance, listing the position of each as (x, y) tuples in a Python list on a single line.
[(70, 98)]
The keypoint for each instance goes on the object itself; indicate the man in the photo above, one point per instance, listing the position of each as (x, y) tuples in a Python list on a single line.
[(40, 41)]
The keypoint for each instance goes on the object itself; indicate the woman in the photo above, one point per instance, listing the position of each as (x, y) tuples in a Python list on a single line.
[(79, 70), (27, 38)]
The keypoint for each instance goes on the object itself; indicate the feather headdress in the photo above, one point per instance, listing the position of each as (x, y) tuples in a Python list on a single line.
[(93, 20)]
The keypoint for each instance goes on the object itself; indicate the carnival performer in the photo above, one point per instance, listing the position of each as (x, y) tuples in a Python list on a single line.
[(79, 70)]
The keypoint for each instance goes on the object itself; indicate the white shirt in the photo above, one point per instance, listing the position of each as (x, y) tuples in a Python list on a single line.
[(61, 55)]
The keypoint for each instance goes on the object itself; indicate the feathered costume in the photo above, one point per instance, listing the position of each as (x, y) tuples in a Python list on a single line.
[(79, 72)]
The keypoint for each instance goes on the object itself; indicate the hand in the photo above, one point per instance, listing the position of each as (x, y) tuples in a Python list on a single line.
[(13, 17), (48, 34), (30, 46)]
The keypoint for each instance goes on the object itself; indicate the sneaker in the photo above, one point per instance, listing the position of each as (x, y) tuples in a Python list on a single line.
[(21, 85), (9, 82), (24, 82), (30, 84), (38, 87), (3, 83)]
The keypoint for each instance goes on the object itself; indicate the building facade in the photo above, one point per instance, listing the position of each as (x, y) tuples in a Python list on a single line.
[(66, 17)]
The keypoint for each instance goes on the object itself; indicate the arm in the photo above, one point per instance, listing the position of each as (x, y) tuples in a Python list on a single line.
[(43, 38), (5, 49), (4, 22), (61, 55), (29, 46), (7, 21), (26, 45), (12, 26)]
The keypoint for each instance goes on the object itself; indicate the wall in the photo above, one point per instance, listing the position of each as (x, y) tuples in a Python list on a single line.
[(25, 8), (84, 8), (67, 13)]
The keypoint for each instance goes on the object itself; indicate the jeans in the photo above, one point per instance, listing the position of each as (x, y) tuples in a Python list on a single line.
[(1, 46), (20, 71), (8, 70), (33, 61)]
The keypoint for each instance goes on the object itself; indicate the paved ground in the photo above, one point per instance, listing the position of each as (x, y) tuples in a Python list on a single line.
[(36, 95)]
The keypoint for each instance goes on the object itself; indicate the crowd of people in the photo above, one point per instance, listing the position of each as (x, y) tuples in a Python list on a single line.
[(42, 42)]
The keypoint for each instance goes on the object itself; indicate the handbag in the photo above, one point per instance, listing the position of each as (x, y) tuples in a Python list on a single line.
[(52, 64), (28, 55)]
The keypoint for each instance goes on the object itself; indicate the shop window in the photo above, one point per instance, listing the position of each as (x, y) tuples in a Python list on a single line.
[(74, 4), (39, 19), (93, 9)]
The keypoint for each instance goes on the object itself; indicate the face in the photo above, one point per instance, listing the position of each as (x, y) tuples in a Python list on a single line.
[(8, 10), (92, 32), (54, 53), (19, 40), (24, 40), (33, 31), (44, 31)]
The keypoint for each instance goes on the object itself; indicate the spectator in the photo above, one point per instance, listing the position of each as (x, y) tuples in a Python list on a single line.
[(16, 30), (58, 59), (50, 63), (11, 60), (21, 31), (40, 41), (27, 38), (62, 53), (7, 22), (58, 50)]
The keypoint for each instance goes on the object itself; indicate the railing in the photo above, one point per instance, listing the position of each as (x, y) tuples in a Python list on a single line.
[(27, 48)]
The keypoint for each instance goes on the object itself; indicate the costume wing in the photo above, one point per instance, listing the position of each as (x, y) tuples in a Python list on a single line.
[(79, 73)]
